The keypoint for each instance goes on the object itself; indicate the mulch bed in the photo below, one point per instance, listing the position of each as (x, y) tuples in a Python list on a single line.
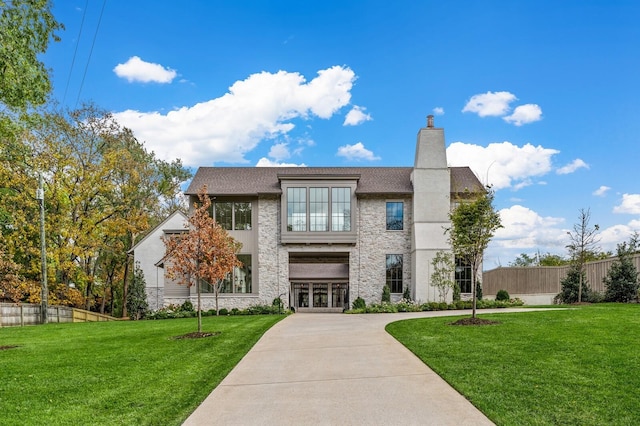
[(4, 348), (196, 335), (474, 321)]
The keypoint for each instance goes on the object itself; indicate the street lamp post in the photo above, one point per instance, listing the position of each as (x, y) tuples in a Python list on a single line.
[(43, 255)]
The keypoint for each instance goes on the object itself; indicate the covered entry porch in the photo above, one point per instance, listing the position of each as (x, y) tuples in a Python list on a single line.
[(319, 282)]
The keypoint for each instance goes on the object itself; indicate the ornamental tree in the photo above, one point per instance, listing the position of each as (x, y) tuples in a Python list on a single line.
[(206, 252), (473, 224), (583, 242), (443, 268)]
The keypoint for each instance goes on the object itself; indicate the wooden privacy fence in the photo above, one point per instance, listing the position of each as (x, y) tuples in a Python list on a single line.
[(12, 314), (544, 279)]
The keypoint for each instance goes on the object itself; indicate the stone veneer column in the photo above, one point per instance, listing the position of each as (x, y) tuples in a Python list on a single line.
[(431, 206), (271, 255)]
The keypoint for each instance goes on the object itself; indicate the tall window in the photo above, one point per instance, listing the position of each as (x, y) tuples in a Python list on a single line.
[(319, 209), (238, 281), (242, 216), (341, 209), (463, 276), (224, 215), (233, 216), (296, 209), (395, 215), (394, 272), (326, 209)]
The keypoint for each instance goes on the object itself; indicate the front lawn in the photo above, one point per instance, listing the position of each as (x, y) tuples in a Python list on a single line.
[(578, 366), (130, 372)]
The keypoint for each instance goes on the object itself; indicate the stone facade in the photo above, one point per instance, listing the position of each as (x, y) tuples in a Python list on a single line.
[(425, 190), (374, 243)]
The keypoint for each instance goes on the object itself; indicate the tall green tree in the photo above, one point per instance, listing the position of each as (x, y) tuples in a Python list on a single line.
[(137, 305), (582, 245), (621, 281), (473, 224), (103, 190), (26, 28)]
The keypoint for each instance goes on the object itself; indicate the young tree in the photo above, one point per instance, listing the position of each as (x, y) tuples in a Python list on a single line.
[(137, 297), (443, 268), (582, 245), (473, 224), (571, 284), (621, 280), (204, 253)]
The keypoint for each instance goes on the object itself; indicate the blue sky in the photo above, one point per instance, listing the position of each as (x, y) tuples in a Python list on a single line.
[(540, 99)]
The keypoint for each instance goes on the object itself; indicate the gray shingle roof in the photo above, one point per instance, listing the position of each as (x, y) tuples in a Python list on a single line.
[(265, 180)]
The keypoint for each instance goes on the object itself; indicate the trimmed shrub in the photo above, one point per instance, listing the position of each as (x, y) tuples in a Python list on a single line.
[(359, 303), (386, 294), (223, 311), (502, 295)]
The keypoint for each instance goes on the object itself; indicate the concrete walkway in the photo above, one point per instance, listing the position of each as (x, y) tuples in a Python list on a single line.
[(334, 369)]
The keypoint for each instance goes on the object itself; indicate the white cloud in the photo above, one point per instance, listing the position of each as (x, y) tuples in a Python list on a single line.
[(257, 108), (438, 111), (265, 162), (356, 116), (572, 167), (490, 104), (279, 151), (630, 204), (524, 230), (610, 237), (602, 191), (502, 165), (524, 114), (135, 69), (356, 152)]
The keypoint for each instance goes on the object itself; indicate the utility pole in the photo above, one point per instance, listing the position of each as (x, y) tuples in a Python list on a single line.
[(43, 254)]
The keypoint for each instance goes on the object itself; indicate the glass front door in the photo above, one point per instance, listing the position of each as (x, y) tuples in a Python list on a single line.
[(320, 295)]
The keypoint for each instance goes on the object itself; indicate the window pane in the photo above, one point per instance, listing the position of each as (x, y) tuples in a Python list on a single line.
[(242, 212), (205, 287), (242, 275), (340, 209), (223, 215), (394, 272), (394, 216), (297, 209), (225, 285), (318, 209)]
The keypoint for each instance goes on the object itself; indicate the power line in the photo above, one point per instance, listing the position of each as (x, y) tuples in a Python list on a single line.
[(75, 52), (95, 35)]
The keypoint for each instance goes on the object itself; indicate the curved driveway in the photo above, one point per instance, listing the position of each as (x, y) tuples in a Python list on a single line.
[(333, 369)]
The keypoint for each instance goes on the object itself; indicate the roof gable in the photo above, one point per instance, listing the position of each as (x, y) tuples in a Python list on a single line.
[(160, 226)]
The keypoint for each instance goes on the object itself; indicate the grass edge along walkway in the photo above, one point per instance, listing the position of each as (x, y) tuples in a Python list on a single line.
[(131, 372), (576, 366)]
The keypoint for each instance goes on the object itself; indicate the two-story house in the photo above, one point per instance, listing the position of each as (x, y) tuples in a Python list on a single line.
[(319, 237)]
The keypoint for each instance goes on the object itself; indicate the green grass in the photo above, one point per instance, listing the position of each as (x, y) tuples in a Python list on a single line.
[(578, 366), (130, 373)]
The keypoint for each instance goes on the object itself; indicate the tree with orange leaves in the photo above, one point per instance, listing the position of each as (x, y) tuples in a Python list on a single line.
[(206, 252)]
